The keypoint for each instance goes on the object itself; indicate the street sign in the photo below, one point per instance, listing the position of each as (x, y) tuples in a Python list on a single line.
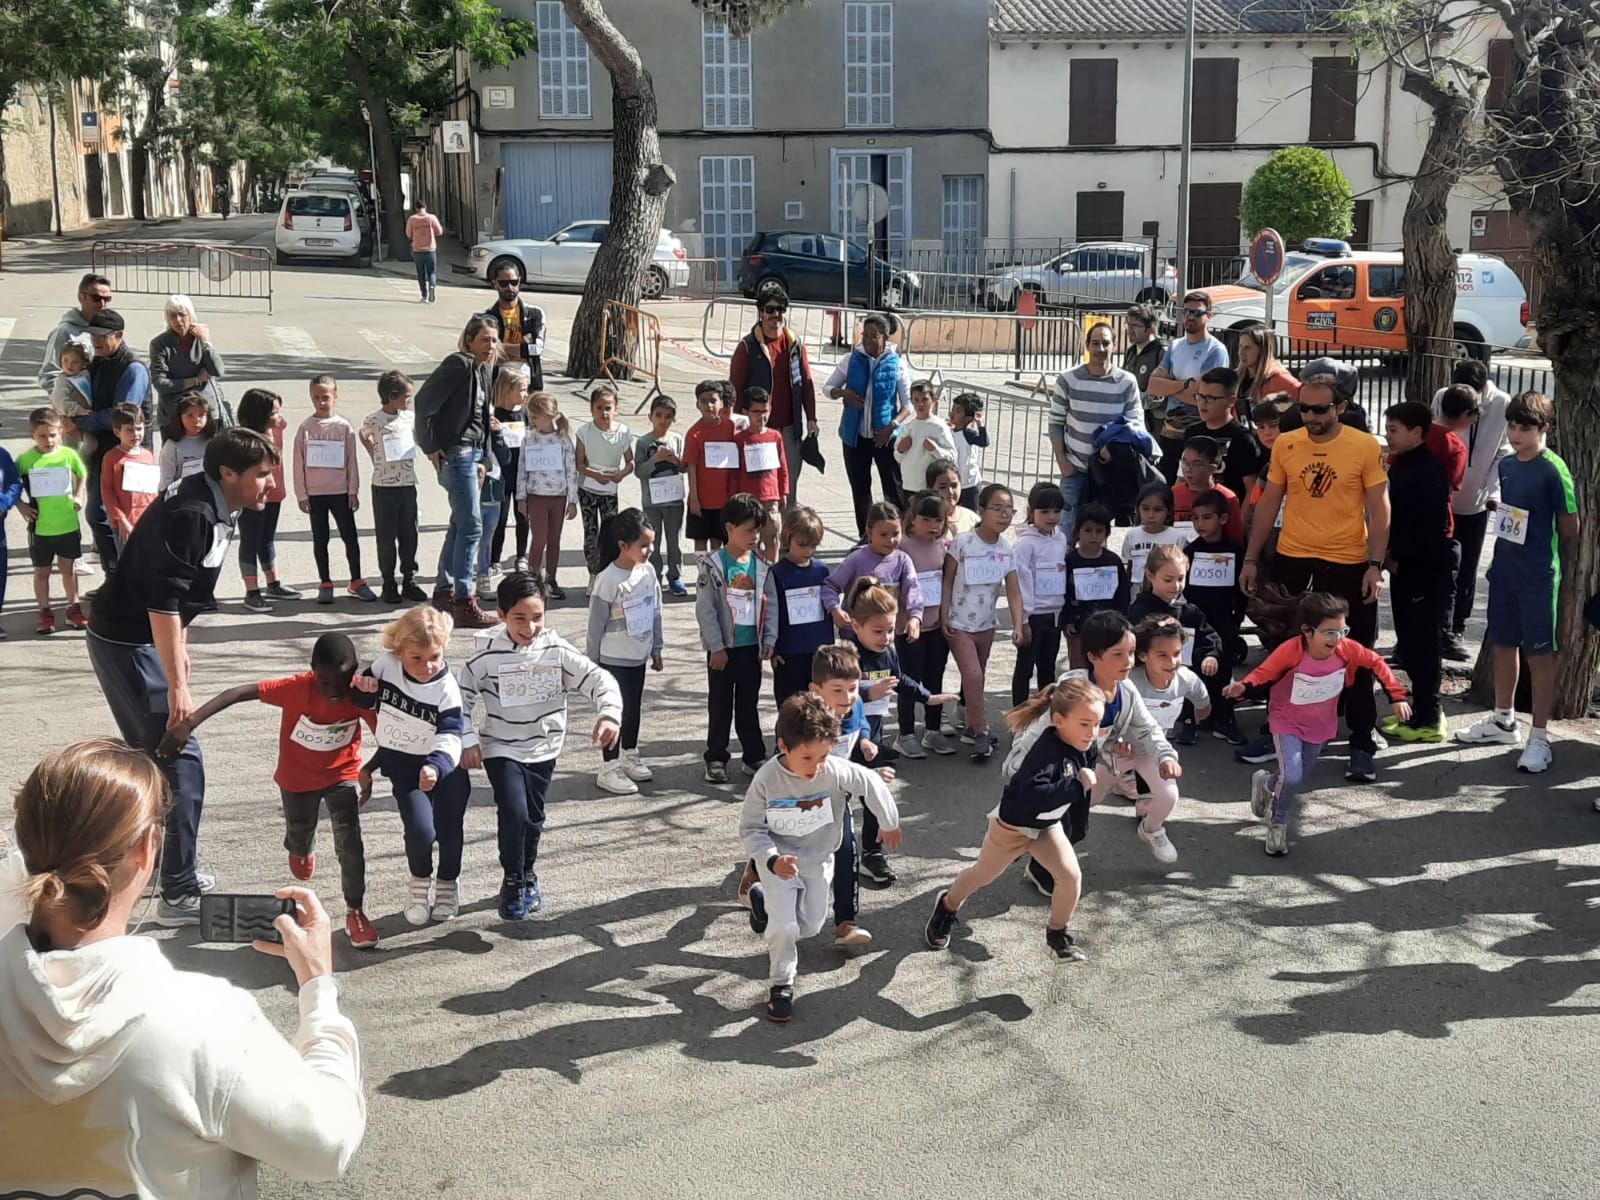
[(89, 128), (1266, 257), (457, 138)]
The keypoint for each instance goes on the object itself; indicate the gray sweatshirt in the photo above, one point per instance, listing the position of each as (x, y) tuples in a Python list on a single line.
[(785, 814), (524, 693), (1133, 725), (1486, 444), (711, 609)]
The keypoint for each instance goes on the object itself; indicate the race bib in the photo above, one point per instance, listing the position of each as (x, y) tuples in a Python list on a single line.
[(761, 456), (527, 684), (640, 614), (399, 446), (1213, 570), (1051, 581), (722, 456), (323, 452), (141, 478), (404, 733), (44, 482), (323, 738), (1186, 657), (931, 584), (844, 745), (797, 816), (668, 489), (986, 569), (542, 455), (804, 605), (1136, 562), (1510, 524), (512, 433), (1094, 583), (876, 708), (191, 466), (1315, 689), (742, 604)]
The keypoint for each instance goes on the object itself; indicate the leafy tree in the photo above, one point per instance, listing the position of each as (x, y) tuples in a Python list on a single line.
[(1301, 193)]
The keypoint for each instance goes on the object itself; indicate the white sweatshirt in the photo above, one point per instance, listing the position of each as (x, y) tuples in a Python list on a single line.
[(120, 1074)]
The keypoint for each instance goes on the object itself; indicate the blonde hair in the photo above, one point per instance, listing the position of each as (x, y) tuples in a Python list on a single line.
[(869, 598), (507, 382), (1060, 697), (546, 404), (423, 626), (804, 522), (1159, 557), (80, 814)]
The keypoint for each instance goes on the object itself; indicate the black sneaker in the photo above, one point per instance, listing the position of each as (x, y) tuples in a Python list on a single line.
[(1453, 646), (391, 594), (1227, 729), (555, 590), (1261, 750), (513, 901), (281, 591), (780, 1004), (361, 591), (757, 896), (940, 923), (876, 868), (410, 591), (256, 602), (1061, 948), (716, 772), (1044, 882), (1184, 733), (325, 593)]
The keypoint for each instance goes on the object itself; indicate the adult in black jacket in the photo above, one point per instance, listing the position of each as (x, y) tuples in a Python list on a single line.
[(519, 325), (139, 640), (454, 425)]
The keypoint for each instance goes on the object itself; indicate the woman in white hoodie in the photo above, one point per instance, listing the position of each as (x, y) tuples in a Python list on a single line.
[(118, 1074)]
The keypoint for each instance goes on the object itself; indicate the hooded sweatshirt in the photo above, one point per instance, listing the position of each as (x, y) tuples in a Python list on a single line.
[(785, 814), (1133, 724), (74, 326), (122, 1076)]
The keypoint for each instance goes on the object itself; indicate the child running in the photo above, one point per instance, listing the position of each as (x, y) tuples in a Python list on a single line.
[(327, 484), (184, 439), (1042, 578), (1055, 774), (624, 635), (1165, 568), (547, 485), (319, 762), (794, 592), (927, 656), (977, 567), (262, 411), (523, 674), (129, 475), (1167, 687), (604, 459), (420, 726), (1306, 675), (792, 822)]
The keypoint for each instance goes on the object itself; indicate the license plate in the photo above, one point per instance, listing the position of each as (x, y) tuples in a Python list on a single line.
[(319, 241)]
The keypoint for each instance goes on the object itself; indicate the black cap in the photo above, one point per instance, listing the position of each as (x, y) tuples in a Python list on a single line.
[(107, 320)]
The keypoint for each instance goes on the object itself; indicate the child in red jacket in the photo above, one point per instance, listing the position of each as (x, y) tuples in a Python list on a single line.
[(1306, 674), (763, 467)]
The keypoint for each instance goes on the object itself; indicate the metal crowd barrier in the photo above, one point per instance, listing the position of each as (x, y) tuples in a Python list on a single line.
[(198, 269), (1013, 345), (826, 331), (1019, 453), (630, 345)]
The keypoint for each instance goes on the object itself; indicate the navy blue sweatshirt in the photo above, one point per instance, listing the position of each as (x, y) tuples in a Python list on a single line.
[(1046, 785), (810, 636), (1223, 604), (876, 666)]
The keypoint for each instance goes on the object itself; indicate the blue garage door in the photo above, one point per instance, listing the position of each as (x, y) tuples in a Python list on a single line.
[(549, 184)]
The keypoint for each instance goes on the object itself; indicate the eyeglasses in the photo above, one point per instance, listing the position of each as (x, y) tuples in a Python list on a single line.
[(1003, 510), (1334, 635), (773, 311), (1207, 396), (1317, 409), (1196, 312)]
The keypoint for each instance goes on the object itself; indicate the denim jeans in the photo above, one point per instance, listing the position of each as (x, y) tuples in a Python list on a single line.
[(1072, 493), (458, 475), (427, 264), (105, 541)]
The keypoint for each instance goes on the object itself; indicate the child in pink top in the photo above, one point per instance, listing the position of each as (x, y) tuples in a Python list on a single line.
[(1307, 675), (327, 483)]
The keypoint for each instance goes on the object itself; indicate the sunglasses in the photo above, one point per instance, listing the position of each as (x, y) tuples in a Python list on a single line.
[(1317, 409), (507, 283), (773, 311), (99, 299), (1196, 312)]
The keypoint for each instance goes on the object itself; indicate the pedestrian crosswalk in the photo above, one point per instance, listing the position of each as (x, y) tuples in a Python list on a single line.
[(394, 347), (291, 341)]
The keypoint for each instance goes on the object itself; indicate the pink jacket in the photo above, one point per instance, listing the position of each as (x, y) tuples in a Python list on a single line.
[(1356, 656), (326, 481)]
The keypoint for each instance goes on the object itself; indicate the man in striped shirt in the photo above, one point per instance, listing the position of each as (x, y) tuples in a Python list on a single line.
[(1084, 400)]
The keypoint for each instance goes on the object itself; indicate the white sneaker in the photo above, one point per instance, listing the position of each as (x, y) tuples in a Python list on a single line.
[(486, 588), (1488, 730), (1160, 844), (612, 778), (446, 900), (634, 769), (82, 567), (936, 742), (1277, 843), (419, 900), (1260, 794), (1536, 757), (909, 747)]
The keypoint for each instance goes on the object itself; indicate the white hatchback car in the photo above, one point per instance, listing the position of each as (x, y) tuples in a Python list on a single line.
[(317, 225), (563, 259)]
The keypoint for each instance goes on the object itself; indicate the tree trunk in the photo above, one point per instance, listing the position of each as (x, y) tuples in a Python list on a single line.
[(640, 182), (385, 150), (143, 141), (55, 169)]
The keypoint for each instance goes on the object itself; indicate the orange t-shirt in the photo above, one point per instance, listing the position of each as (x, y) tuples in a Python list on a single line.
[(1325, 511)]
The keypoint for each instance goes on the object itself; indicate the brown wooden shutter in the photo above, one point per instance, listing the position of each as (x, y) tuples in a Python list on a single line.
[(1092, 104), (1333, 99), (1216, 100), (1099, 216)]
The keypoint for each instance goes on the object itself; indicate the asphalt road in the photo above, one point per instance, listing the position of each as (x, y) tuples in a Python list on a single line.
[(1403, 1008)]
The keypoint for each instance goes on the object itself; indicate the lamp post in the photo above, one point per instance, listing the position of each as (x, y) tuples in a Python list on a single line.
[(1188, 152)]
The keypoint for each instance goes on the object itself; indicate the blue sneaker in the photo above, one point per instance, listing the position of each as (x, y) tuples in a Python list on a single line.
[(531, 895), (513, 899), (1262, 750), (678, 588), (1361, 768)]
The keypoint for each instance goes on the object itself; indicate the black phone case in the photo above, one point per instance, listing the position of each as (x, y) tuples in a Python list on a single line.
[(241, 918)]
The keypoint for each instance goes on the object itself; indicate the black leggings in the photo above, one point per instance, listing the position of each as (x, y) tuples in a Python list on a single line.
[(338, 507), (631, 681), (258, 533), (923, 660), (858, 460), (1038, 657), (510, 462)]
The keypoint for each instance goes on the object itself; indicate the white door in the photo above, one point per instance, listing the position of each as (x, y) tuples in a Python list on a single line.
[(727, 211), (892, 170)]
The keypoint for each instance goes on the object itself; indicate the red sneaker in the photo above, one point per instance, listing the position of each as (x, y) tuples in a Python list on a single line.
[(301, 866), (362, 935), (47, 621), (75, 617)]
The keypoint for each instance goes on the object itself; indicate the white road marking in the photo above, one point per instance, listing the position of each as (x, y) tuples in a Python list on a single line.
[(291, 341), (7, 324), (394, 347)]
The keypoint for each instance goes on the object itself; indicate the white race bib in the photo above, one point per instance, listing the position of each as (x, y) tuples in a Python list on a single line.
[(804, 605), (668, 489), (791, 816), (1510, 524), (191, 466), (742, 604), (1094, 583), (1051, 580), (722, 456), (527, 684), (1316, 689), (1212, 570), (640, 614), (844, 745), (324, 452), (44, 482), (880, 706), (1186, 657), (544, 454), (512, 433), (399, 446), (1136, 562), (312, 736), (931, 584), (404, 733), (761, 456), (140, 477), (985, 569)]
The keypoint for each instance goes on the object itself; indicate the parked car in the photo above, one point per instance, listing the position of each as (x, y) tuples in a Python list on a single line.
[(809, 267), (319, 225), (366, 219), (1334, 296), (562, 260), (1110, 272)]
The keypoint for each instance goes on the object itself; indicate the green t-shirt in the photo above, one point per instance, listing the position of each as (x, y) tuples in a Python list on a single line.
[(57, 514), (741, 577)]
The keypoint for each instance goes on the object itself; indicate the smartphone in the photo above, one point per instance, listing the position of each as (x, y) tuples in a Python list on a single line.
[(240, 918)]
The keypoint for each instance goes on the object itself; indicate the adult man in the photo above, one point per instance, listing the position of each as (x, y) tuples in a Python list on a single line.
[(520, 325), (116, 376), (1144, 351), (770, 356), (877, 397), (1215, 395), (1177, 378), (1085, 400), (1335, 535), (94, 293), (138, 633), (423, 230), (1478, 496)]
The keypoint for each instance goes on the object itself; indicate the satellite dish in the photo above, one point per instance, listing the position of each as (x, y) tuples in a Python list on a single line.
[(869, 202)]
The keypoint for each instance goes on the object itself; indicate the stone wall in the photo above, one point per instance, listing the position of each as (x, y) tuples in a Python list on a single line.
[(27, 143)]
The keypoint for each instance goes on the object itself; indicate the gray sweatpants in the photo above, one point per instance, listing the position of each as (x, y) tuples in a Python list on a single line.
[(796, 908), (668, 521), (300, 813)]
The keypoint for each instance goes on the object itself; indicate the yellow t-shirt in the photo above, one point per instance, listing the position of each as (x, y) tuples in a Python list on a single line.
[(512, 319), (1326, 482)]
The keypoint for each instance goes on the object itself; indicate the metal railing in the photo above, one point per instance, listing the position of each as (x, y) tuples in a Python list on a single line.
[(701, 279), (198, 269), (1004, 344), (825, 330), (1017, 418), (630, 348)]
